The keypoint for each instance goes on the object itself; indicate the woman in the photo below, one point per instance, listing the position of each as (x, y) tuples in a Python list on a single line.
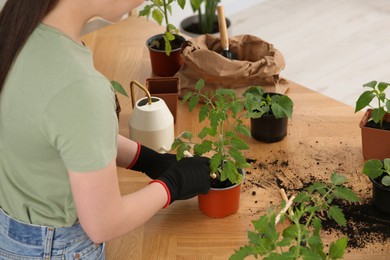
[(59, 142)]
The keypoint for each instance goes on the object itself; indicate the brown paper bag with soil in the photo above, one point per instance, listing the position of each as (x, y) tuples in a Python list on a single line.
[(257, 63)]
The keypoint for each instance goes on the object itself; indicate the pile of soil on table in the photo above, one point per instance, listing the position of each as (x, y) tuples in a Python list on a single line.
[(365, 225)]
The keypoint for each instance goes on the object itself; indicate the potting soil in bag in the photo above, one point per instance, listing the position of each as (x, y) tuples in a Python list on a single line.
[(256, 63)]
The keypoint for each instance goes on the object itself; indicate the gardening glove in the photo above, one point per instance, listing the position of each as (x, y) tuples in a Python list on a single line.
[(151, 162), (186, 178)]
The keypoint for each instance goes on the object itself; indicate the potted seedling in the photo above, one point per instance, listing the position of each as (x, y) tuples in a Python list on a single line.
[(220, 140), (379, 173), (269, 114), (165, 48), (301, 216), (375, 124), (118, 88), (205, 19)]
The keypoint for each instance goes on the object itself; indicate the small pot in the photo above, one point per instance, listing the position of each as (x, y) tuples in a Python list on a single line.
[(162, 64), (380, 195), (375, 142), (221, 202), (268, 128), (166, 88)]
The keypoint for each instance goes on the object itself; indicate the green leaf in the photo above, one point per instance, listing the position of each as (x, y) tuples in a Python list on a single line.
[(337, 249), (364, 100), (370, 84), (336, 213), (386, 165), (346, 194), (182, 3), (337, 179), (382, 86), (158, 16), (378, 114), (118, 88), (193, 102), (215, 162), (199, 84), (386, 180), (373, 168), (202, 148), (187, 135)]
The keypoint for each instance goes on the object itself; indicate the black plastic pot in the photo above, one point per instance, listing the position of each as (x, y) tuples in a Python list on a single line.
[(380, 195), (268, 128)]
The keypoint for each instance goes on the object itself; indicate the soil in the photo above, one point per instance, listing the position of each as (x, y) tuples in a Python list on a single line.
[(372, 124), (365, 225), (160, 44)]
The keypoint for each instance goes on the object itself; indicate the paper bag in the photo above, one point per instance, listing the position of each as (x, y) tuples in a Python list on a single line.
[(257, 63)]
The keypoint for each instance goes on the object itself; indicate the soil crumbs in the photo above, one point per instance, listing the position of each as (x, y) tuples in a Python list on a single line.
[(365, 224)]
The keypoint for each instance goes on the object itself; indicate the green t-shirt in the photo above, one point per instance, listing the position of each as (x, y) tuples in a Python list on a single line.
[(56, 113)]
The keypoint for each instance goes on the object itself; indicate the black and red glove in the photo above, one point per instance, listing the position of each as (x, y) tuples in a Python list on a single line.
[(186, 178), (151, 162)]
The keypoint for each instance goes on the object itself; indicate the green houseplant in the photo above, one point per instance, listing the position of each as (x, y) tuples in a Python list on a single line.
[(375, 124), (220, 139), (269, 114), (205, 19), (379, 173), (164, 49), (301, 237)]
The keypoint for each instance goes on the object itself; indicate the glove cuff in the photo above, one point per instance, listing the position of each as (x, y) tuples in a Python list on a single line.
[(166, 189), (136, 157)]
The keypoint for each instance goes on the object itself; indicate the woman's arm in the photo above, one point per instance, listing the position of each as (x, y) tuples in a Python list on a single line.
[(127, 150), (103, 213)]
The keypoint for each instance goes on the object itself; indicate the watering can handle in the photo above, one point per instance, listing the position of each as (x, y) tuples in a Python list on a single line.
[(141, 87)]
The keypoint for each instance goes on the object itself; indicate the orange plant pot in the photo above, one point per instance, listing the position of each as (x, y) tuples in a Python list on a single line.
[(220, 203), (375, 142)]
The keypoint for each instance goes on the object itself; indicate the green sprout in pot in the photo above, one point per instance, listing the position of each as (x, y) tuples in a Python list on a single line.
[(376, 168), (300, 237), (206, 10), (160, 11), (377, 94), (220, 137), (259, 103)]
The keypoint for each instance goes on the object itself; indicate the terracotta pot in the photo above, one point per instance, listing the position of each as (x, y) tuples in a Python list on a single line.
[(166, 88), (380, 195), (375, 142), (220, 202), (162, 64)]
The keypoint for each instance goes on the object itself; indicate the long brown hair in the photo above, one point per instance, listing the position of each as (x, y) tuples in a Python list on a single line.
[(18, 19)]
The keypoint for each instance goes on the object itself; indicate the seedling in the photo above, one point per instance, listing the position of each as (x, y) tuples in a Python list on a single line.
[(160, 11), (301, 238), (259, 103), (376, 168), (376, 93)]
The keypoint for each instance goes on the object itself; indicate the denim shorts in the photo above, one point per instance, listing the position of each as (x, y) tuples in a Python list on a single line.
[(25, 241)]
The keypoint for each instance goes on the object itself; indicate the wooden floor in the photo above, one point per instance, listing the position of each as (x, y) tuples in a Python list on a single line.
[(332, 46)]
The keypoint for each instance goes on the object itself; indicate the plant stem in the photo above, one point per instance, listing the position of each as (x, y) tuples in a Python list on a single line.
[(166, 15)]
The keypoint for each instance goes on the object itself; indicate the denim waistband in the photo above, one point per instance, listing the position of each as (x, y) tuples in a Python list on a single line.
[(37, 235)]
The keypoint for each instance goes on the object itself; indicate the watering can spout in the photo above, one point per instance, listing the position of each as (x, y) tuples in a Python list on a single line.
[(151, 122)]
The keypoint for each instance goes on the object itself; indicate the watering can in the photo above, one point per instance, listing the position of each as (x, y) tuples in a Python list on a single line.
[(151, 122)]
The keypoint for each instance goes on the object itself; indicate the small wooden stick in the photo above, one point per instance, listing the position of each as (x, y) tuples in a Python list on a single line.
[(286, 207), (284, 196)]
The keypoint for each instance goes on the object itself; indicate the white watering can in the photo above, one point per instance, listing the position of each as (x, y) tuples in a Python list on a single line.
[(151, 122)]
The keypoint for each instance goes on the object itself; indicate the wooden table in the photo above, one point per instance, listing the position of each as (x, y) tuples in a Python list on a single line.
[(323, 137)]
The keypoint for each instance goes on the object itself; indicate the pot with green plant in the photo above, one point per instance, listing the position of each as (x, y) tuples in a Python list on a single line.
[(269, 114), (300, 237), (204, 21), (118, 88), (165, 48), (375, 124), (379, 173), (220, 140)]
